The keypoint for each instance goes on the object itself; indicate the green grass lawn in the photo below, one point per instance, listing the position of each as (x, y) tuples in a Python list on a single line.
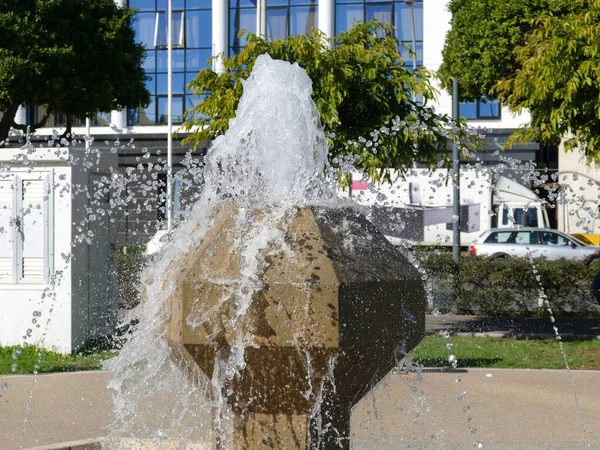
[(17, 360), (490, 352), (433, 351)]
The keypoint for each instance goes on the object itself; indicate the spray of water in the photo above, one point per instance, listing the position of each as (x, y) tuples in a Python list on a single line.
[(271, 161)]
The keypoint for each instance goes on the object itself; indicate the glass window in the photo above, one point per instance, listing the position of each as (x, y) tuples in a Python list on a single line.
[(347, 15), (150, 61), (197, 59), (147, 115), (241, 19), (303, 2), (160, 32), (407, 57), (178, 83), (276, 3), (302, 19), (242, 4), (525, 237), (142, 5), (177, 106), (198, 29), (468, 110), (143, 26), (498, 237), (381, 12), (404, 21), (489, 108), (480, 109), (277, 23), (199, 4), (549, 238)]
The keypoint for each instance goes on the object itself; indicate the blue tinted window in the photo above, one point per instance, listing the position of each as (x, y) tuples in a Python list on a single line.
[(403, 21), (468, 110), (196, 4), (407, 57), (197, 59), (346, 15), (198, 29), (178, 83), (277, 23), (489, 108), (303, 2), (150, 61), (147, 115), (142, 5), (481, 109), (242, 4), (177, 109), (241, 19), (143, 26), (303, 19), (276, 3), (381, 12)]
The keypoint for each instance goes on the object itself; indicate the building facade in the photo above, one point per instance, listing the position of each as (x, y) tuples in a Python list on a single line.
[(205, 28)]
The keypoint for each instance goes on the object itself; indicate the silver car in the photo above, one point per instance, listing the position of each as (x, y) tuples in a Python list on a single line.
[(529, 242)]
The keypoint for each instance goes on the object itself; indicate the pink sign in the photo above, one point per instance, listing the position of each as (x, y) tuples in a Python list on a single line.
[(359, 185)]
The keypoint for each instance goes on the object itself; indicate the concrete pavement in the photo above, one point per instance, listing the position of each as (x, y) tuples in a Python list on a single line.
[(502, 409)]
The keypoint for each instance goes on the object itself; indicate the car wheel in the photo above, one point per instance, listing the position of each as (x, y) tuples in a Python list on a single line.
[(498, 256)]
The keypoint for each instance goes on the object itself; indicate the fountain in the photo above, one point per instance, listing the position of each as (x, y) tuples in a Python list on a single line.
[(276, 306)]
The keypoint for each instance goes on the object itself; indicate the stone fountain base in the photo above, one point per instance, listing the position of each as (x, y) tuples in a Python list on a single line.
[(338, 306)]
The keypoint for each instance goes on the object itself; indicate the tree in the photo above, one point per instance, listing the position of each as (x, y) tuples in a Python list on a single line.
[(559, 79), (479, 47), (78, 57), (361, 88)]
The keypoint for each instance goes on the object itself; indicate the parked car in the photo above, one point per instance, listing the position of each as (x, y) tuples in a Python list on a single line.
[(529, 242)]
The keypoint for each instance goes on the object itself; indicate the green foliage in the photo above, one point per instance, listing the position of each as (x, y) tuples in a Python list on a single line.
[(508, 353), (479, 46), (559, 79), (362, 91), (35, 359), (77, 57), (511, 286), (541, 56)]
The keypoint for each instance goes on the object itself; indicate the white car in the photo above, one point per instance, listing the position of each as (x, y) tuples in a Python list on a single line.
[(531, 243)]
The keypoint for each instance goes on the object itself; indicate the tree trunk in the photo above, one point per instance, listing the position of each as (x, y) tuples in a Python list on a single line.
[(8, 120)]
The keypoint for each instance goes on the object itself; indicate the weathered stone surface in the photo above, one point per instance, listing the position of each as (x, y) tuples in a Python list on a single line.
[(339, 300)]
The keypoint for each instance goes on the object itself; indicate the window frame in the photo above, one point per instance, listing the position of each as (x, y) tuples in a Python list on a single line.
[(17, 212)]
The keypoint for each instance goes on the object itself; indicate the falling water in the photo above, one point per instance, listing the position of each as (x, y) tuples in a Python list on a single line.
[(272, 158)]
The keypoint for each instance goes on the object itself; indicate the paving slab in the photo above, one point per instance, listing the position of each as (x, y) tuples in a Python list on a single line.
[(438, 409)]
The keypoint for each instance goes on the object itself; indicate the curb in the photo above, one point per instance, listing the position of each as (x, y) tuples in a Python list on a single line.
[(84, 444), (511, 334)]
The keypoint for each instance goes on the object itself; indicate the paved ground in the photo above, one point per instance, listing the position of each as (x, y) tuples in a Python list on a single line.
[(502, 409)]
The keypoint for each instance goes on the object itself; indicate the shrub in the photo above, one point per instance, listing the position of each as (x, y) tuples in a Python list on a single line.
[(509, 286)]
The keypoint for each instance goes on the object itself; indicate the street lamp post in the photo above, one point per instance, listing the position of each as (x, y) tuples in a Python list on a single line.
[(169, 204), (455, 179)]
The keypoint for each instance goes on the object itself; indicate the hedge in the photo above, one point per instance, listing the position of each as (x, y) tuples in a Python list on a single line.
[(508, 286)]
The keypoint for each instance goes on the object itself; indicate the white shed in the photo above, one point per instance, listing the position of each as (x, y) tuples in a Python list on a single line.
[(57, 248)]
